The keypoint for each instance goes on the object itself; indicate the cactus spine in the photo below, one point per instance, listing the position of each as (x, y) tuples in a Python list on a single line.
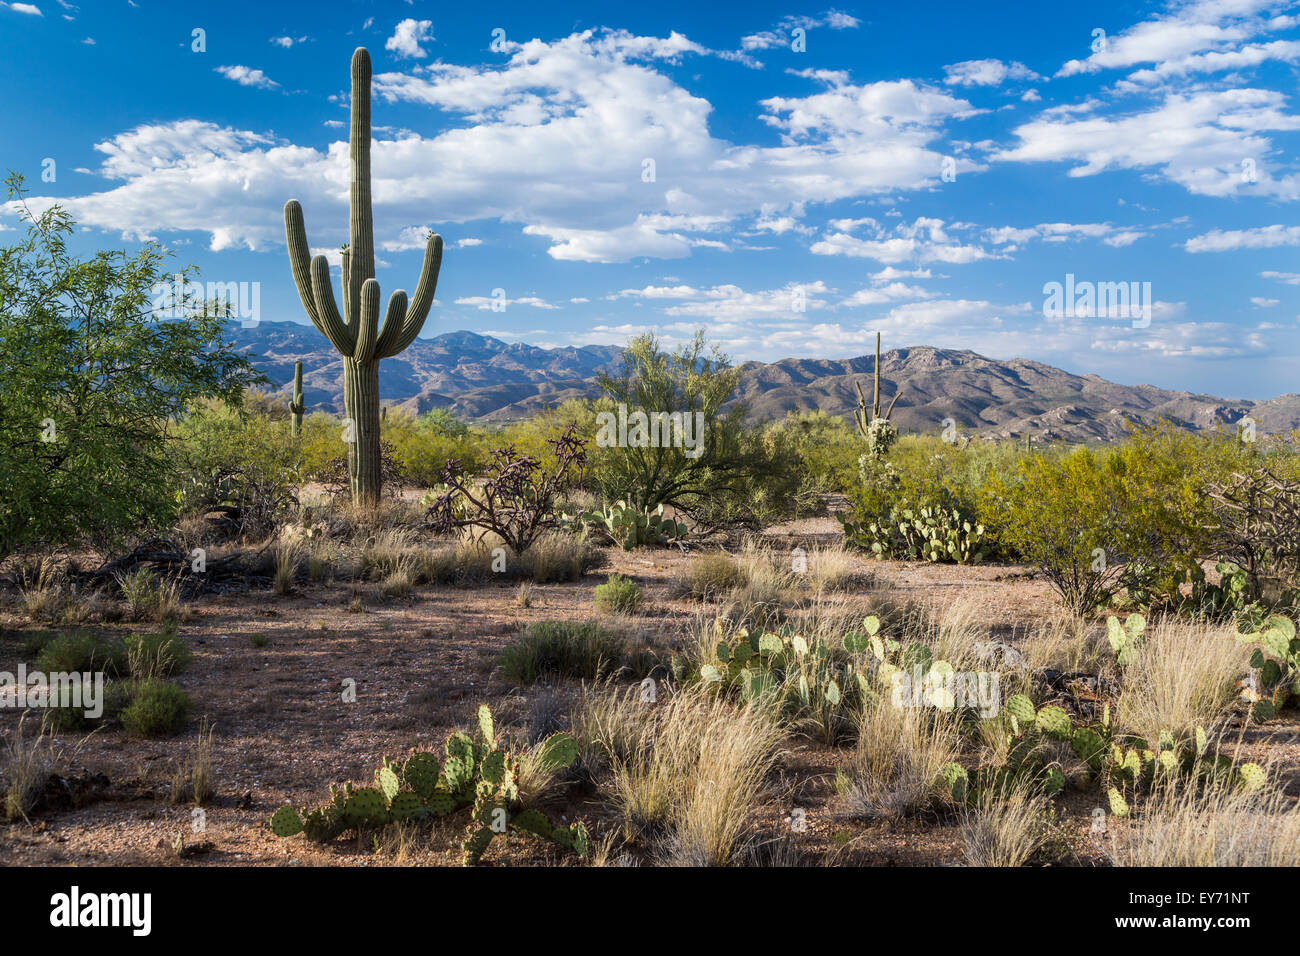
[(356, 333), (297, 406), (877, 429)]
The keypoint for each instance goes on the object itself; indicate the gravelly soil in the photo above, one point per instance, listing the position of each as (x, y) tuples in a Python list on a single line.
[(421, 667)]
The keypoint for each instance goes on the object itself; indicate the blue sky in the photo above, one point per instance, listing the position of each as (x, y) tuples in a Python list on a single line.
[(1160, 150)]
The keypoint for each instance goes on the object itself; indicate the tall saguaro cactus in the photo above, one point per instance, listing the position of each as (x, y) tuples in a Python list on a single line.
[(356, 334), (296, 405), (877, 429)]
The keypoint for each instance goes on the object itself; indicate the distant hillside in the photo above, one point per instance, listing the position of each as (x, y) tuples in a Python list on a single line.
[(483, 378)]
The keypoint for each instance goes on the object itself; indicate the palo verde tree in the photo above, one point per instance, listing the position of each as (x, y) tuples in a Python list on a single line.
[(681, 393), (92, 380), (356, 333)]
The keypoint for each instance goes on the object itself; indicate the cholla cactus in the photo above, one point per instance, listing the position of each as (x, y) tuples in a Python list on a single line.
[(877, 429), (356, 332), (297, 406)]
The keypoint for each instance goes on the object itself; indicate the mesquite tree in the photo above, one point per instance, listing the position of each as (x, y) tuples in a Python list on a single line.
[(356, 334)]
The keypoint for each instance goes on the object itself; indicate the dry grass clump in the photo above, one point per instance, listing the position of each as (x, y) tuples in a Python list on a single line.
[(150, 597), (1220, 825), (1068, 643), (397, 557), (768, 575), (557, 556), (1185, 676), (26, 762), (687, 772), (896, 767), (288, 559), (46, 595), (829, 567), (1010, 828), (195, 782), (710, 576)]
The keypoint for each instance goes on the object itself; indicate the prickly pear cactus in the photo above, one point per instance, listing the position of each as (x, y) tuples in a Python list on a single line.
[(285, 822), (421, 772), (366, 809), (1054, 722), (405, 807), (1022, 709)]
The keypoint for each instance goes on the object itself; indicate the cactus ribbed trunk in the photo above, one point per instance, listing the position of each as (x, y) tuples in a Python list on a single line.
[(361, 396), (357, 333)]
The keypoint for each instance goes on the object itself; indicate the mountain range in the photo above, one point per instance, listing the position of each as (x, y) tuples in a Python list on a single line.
[(478, 377)]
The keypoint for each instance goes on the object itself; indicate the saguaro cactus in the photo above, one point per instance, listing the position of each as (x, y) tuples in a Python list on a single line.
[(356, 334), (297, 406), (877, 429)]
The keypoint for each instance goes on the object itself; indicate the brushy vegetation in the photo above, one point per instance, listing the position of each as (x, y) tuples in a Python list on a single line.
[(581, 649)]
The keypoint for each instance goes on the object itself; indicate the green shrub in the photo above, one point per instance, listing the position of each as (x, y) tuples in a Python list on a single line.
[(580, 649), (117, 694), (619, 593), (1069, 517), (81, 652), (156, 709), (239, 458), (158, 655)]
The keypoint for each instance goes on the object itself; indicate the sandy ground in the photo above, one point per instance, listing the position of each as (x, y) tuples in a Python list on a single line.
[(421, 667)]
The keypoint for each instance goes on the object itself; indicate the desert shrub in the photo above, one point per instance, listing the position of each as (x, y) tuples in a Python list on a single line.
[(708, 483), (156, 709), (580, 649), (244, 465), (517, 502), (1068, 518), (817, 455), (161, 654), (85, 418), (422, 446), (1256, 526), (707, 576), (619, 593), (82, 652)]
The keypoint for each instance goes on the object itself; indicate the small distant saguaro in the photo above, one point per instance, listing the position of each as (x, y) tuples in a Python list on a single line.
[(356, 334)]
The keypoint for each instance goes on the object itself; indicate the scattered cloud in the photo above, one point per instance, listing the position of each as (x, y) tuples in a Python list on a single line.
[(1260, 237), (408, 36), (247, 76), (986, 73), (782, 35)]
